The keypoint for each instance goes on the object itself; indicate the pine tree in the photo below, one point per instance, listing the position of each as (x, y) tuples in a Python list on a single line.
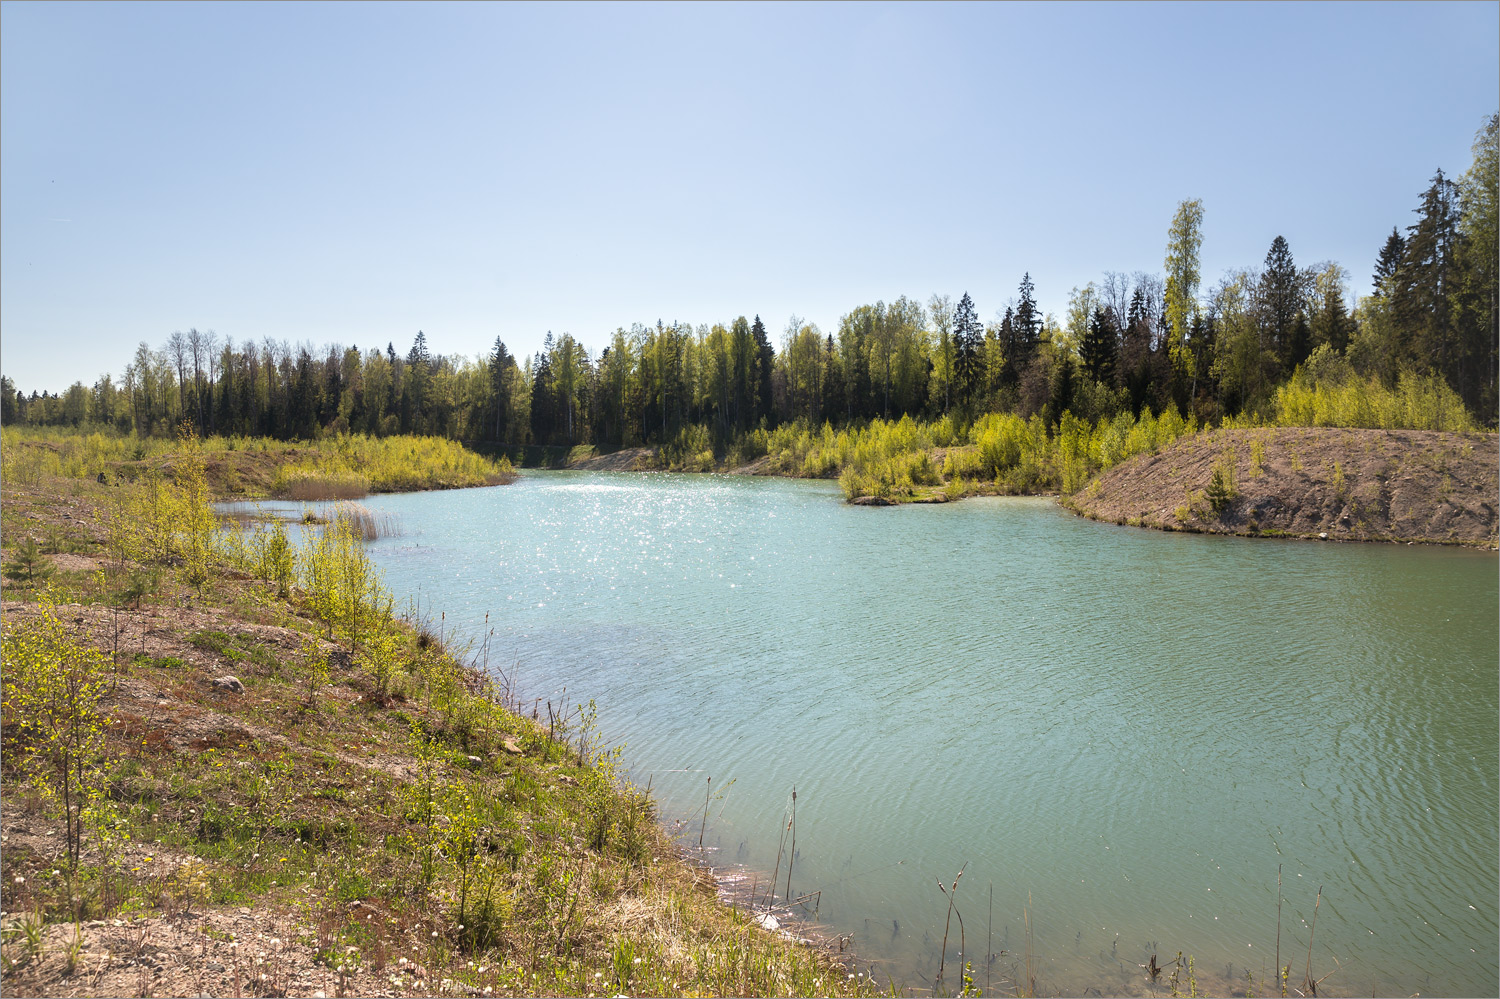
[(29, 563)]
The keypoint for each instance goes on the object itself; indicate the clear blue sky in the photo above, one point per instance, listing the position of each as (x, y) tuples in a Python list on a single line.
[(354, 173)]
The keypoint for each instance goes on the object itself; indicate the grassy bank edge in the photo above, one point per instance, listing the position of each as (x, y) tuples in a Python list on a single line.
[(185, 839)]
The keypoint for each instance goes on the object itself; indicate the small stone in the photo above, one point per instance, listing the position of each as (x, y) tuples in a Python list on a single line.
[(1323, 535), (229, 683), (512, 747)]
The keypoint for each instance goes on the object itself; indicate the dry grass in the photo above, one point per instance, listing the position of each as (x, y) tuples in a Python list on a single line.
[(318, 488), (367, 523)]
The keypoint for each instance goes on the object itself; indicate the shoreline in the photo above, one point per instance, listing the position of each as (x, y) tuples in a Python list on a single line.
[(179, 632), (1314, 483), (263, 768)]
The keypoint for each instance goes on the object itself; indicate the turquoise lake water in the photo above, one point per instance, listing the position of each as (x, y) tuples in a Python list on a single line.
[(1118, 735)]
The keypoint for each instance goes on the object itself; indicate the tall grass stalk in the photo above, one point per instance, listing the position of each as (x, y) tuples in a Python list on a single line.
[(792, 856), (952, 894), (1278, 932), (1309, 984)]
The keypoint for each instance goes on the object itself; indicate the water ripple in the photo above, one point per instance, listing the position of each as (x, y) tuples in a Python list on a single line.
[(1130, 729)]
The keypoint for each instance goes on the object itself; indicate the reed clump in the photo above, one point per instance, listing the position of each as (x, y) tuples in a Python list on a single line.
[(311, 486), (367, 524)]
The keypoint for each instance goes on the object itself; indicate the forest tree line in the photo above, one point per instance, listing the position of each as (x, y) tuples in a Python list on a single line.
[(1128, 342)]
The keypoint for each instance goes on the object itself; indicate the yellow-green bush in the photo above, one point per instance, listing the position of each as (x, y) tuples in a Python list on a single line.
[(343, 586), (1418, 402), (52, 722)]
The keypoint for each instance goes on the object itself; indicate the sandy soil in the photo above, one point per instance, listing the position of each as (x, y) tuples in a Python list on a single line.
[(228, 951), (630, 459), (1311, 482)]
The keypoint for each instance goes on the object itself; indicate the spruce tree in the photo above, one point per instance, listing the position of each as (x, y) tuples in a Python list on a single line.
[(1028, 318), (968, 335), (1135, 352), (1426, 280), (500, 364), (1010, 348), (1278, 291), (418, 353), (1389, 260), (543, 405), (765, 361), (835, 399), (1100, 349), (1062, 387), (1330, 321)]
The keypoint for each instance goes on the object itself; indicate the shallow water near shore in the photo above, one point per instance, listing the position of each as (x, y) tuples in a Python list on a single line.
[(1117, 734)]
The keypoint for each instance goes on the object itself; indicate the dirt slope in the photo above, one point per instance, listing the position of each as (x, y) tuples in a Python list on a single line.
[(1356, 485), (628, 459)]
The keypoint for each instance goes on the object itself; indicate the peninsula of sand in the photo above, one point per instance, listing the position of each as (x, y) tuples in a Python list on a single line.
[(1309, 482)]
